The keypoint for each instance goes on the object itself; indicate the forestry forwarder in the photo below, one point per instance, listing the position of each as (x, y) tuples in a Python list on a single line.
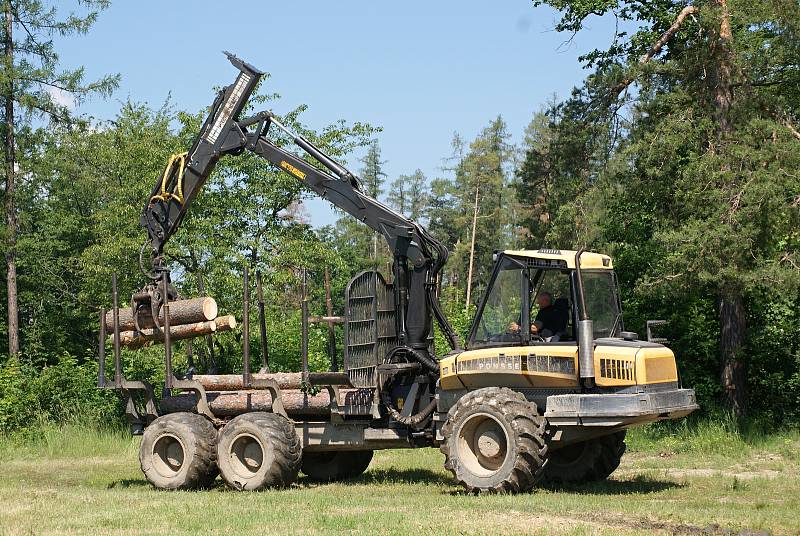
[(510, 409)]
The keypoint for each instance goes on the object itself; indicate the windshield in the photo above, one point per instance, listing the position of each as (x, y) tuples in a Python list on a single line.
[(599, 290), (503, 305)]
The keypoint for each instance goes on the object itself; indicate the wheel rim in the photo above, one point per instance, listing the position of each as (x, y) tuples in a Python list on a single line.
[(247, 455), (168, 455), (482, 444)]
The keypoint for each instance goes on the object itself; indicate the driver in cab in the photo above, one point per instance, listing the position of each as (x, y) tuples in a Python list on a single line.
[(550, 322)]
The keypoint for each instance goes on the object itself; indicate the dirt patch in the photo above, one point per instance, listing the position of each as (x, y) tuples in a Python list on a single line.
[(716, 473), (526, 523), (684, 528)]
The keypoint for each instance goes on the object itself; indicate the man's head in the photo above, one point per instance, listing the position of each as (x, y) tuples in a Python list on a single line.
[(544, 299)]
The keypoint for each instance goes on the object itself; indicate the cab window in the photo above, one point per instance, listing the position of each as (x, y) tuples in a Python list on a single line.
[(503, 305), (600, 294), (556, 285)]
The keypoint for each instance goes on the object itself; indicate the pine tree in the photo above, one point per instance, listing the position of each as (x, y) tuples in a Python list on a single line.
[(409, 195), (483, 180), (34, 88), (398, 194), (372, 174), (417, 195), (367, 247)]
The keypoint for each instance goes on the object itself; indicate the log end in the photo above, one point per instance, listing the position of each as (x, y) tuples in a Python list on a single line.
[(225, 323), (210, 308)]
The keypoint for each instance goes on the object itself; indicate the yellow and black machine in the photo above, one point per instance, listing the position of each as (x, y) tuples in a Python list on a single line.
[(544, 389)]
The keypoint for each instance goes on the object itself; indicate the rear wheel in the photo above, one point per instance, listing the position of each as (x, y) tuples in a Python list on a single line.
[(495, 441), (587, 461), (178, 451), (335, 465), (259, 450)]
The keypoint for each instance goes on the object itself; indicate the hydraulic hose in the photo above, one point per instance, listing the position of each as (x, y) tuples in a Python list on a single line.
[(428, 363), (411, 420), (421, 358), (441, 258)]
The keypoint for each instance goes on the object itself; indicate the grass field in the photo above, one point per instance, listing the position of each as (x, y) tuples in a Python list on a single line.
[(701, 479)]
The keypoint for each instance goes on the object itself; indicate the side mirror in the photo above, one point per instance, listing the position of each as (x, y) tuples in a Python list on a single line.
[(650, 325)]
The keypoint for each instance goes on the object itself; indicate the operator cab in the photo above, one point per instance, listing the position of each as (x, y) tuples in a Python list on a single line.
[(533, 299)]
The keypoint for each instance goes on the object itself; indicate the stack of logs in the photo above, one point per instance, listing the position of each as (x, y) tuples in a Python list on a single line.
[(226, 393), (187, 319), (227, 396)]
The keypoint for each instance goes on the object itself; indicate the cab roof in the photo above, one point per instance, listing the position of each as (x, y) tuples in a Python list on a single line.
[(589, 259)]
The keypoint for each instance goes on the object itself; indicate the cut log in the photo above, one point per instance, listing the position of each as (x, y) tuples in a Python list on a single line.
[(225, 323), (285, 380), (295, 402), (189, 311), (133, 339), (233, 382)]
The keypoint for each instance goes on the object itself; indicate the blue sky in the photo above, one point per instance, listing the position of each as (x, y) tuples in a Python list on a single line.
[(420, 70)]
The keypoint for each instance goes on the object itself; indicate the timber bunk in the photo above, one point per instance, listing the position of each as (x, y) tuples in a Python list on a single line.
[(314, 401)]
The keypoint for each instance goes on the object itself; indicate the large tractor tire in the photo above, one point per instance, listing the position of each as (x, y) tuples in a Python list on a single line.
[(495, 441), (587, 461), (335, 465), (259, 450), (179, 451)]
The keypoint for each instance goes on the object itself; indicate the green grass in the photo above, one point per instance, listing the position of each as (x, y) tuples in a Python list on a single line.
[(697, 478)]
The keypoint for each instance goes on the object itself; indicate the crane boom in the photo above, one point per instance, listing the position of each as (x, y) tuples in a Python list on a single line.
[(417, 255)]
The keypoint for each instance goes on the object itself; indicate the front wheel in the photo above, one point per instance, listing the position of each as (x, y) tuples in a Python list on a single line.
[(495, 441)]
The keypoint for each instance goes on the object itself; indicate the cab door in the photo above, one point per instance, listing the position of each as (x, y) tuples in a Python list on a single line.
[(501, 350)]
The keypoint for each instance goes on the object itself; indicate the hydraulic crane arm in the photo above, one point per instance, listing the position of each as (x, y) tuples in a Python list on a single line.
[(404, 237), (186, 173), (418, 256)]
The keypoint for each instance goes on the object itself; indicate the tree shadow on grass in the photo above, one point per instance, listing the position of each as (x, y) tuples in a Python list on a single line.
[(372, 476), (128, 483), (638, 485)]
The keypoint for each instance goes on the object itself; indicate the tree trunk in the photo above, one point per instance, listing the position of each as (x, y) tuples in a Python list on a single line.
[(10, 209), (722, 71), (188, 311), (732, 318), (733, 323), (472, 247)]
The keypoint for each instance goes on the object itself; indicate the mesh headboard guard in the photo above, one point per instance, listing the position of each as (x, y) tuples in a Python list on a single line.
[(370, 329)]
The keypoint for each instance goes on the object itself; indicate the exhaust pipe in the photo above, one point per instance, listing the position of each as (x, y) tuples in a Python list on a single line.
[(585, 332)]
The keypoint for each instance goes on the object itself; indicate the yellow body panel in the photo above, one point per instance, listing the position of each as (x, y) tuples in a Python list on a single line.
[(615, 366), (589, 260), (556, 366), (656, 365), (512, 366)]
